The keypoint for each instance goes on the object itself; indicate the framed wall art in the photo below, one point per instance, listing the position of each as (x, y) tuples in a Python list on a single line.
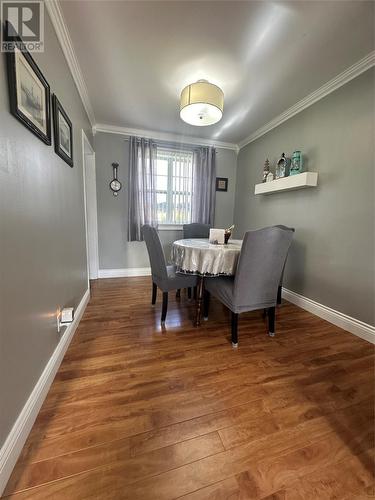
[(221, 183), (29, 91), (62, 132)]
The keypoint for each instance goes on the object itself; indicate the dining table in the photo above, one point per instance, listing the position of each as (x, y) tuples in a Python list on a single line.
[(199, 257)]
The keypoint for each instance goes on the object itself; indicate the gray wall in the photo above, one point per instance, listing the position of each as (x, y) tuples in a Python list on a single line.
[(115, 252), (42, 236), (332, 257)]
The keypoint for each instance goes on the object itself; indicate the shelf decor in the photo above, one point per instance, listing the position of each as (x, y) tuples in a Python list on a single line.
[(290, 183)]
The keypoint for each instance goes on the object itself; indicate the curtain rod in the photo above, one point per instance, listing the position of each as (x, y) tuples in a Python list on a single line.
[(175, 144)]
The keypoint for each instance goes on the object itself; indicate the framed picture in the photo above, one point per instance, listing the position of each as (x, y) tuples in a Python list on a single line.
[(29, 92), (221, 183), (62, 132)]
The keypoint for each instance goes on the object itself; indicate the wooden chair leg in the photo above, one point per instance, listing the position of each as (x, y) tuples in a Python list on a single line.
[(189, 293), (154, 292), (279, 295), (178, 294), (206, 304), (164, 308), (234, 329), (271, 321)]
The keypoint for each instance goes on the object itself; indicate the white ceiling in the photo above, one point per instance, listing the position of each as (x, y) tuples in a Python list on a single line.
[(137, 56)]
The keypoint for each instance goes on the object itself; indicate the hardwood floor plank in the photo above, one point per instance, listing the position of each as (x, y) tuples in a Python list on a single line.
[(137, 411), (116, 457)]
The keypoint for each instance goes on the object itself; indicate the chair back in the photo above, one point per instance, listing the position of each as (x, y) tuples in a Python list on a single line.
[(286, 228), (260, 266), (196, 230), (155, 252)]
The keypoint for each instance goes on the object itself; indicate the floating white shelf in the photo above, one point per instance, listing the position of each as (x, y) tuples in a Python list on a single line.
[(298, 181)]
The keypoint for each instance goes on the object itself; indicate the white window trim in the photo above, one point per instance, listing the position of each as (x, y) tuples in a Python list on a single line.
[(170, 227)]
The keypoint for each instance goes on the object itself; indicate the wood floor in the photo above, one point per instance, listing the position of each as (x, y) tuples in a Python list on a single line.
[(140, 412)]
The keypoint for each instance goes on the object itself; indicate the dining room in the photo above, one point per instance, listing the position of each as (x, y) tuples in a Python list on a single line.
[(187, 250)]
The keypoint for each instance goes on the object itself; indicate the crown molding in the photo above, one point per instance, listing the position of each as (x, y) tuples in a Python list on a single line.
[(63, 36), (349, 74), (162, 136)]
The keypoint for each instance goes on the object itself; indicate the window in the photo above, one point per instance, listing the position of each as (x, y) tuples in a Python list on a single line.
[(174, 183)]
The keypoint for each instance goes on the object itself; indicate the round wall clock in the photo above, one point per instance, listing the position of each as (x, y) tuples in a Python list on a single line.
[(115, 185)]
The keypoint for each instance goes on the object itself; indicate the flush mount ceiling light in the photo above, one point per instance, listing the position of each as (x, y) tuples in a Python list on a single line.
[(201, 103)]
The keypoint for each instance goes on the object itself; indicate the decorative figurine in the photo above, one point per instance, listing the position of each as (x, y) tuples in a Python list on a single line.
[(282, 167), (266, 170), (297, 163), (269, 177)]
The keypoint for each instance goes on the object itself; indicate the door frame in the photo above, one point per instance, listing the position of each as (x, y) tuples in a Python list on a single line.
[(89, 153)]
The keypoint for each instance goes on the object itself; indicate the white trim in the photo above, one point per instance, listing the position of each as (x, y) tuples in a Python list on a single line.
[(87, 150), (13, 444), (352, 325), (352, 72), (63, 36), (162, 136), (124, 273)]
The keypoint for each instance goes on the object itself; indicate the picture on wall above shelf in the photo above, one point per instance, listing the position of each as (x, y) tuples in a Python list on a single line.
[(298, 181)]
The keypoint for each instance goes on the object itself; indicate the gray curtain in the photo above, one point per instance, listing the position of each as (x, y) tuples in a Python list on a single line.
[(204, 185), (142, 186)]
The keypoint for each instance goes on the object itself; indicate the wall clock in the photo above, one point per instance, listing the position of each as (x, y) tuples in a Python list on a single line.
[(115, 185)]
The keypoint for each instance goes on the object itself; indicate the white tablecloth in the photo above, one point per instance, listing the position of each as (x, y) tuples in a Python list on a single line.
[(198, 256)]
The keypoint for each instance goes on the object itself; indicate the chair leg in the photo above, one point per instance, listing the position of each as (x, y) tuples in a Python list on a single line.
[(154, 292), (189, 293), (234, 329), (206, 304), (271, 321), (164, 308), (195, 293), (178, 294), (279, 295)]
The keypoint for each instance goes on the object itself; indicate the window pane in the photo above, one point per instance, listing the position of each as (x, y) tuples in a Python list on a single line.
[(174, 179), (161, 200), (162, 166), (161, 183)]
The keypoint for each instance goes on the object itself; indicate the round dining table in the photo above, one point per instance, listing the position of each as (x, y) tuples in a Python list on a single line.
[(206, 260)]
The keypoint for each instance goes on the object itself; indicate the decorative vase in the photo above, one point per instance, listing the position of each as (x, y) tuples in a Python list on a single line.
[(282, 167), (297, 163)]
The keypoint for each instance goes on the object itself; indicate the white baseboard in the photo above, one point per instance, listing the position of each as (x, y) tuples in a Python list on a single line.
[(13, 445), (352, 325), (124, 273)]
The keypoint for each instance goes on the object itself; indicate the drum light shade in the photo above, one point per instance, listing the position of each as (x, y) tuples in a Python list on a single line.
[(201, 104)]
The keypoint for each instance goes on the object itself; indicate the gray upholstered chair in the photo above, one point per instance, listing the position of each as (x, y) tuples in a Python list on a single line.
[(257, 278), (196, 230), (163, 276), (279, 290)]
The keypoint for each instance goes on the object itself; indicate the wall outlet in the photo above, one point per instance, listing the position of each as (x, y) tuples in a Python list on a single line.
[(64, 317), (67, 315)]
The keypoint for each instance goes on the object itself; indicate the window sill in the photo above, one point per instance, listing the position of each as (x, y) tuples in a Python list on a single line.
[(170, 227)]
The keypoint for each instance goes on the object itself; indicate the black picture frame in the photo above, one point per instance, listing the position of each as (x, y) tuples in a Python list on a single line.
[(61, 118), (33, 112), (221, 183)]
